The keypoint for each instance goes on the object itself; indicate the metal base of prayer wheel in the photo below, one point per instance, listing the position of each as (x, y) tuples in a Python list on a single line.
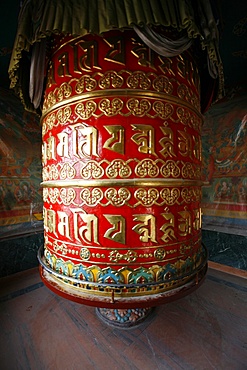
[(124, 318)]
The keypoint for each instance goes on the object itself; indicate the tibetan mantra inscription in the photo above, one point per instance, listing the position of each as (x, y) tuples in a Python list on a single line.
[(121, 171)]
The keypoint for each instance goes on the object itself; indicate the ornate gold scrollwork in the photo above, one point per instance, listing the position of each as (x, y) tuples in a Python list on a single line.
[(138, 108), (146, 197), (85, 111), (160, 254), (186, 117), (64, 91), (67, 195), (147, 167), (85, 83), (118, 197), (92, 170), (111, 79), (85, 254), (111, 107), (191, 194), (116, 256), (91, 197), (170, 169), (187, 94), (164, 110), (170, 196), (67, 171), (138, 80), (163, 84), (118, 167), (190, 171)]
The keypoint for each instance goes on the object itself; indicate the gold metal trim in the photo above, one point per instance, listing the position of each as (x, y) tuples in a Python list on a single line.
[(197, 238), (121, 182), (121, 93)]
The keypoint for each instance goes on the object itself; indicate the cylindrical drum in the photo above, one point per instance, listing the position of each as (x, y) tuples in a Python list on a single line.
[(121, 172)]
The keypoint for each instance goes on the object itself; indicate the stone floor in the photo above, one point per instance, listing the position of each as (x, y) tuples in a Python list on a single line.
[(205, 330)]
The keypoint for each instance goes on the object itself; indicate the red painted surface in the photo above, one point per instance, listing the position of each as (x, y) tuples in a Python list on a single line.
[(115, 111)]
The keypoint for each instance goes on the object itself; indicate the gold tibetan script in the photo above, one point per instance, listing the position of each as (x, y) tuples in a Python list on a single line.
[(144, 139), (145, 228)]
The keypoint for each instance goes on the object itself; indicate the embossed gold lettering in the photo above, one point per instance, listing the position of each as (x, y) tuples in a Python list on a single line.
[(88, 233), (63, 145), (167, 142), (185, 223), (117, 231), (89, 59), (50, 148), (51, 74), (183, 68), (144, 54), (197, 224), (144, 139), (197, 151), (185, 144), (63, 224), (117, 52), (168, 227), (116, 141), (63, 67), (50, 221), (166, 66), (146, 228), (85, 139)]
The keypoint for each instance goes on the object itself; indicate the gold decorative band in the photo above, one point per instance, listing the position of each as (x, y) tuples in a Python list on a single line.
[(78, 183), (121, 93)]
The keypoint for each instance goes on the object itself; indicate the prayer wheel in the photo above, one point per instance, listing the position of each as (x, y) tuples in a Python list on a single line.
[(119, 88), (121, 172)]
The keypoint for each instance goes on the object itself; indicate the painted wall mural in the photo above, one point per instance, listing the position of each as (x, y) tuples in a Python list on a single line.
[(20, 168), (225, 167)]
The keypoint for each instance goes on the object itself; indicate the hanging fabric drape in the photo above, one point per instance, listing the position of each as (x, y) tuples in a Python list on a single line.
[(41, 19)]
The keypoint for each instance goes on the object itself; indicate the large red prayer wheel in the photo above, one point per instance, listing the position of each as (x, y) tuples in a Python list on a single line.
[(121, 173)]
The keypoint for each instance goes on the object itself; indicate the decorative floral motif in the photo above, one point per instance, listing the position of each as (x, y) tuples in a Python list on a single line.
[(118, 167), (163, 84), (87, 83), (164, 111), (170, 196), (92, 170), (147, 167), (67, 196), (170, 169), (111, 107), (64, 91), (67, 171), (85, 111), (147, 197), (118, 197), (111, 79), (91, 197), (138, 108), (138, 80)]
